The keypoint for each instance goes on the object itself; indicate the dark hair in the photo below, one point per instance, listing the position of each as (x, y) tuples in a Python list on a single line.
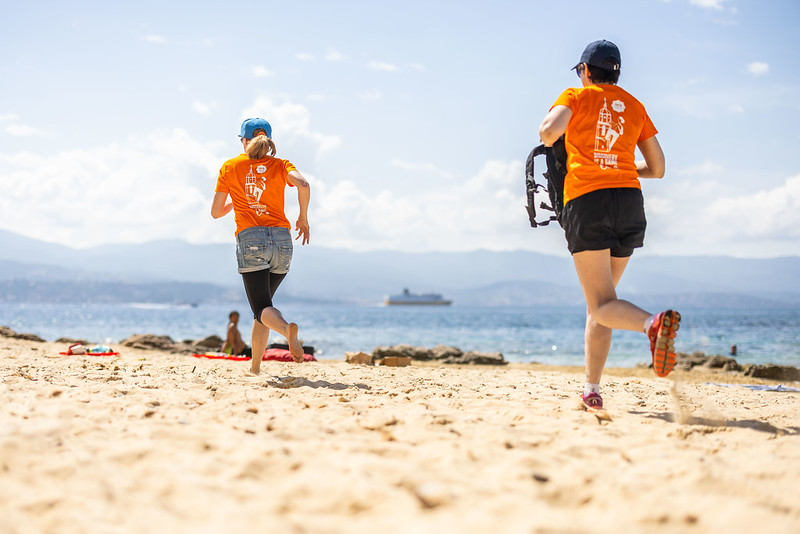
[(601, 75)]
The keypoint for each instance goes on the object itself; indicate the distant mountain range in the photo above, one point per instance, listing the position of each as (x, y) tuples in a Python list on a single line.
[(180, 272)]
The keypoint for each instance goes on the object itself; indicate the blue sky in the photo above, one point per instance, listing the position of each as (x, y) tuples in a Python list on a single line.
[(411, 120)]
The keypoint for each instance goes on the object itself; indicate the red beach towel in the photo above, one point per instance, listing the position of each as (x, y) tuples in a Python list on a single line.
[(283, 355)]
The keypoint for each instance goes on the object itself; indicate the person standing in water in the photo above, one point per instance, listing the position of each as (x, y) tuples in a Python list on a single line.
[(603, 215), (255, 182)]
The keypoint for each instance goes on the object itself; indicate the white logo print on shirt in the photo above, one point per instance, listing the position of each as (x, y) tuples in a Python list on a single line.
[(607, 133), (253, 188)]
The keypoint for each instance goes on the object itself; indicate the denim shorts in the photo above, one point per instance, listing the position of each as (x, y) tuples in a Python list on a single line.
[(264, 247)]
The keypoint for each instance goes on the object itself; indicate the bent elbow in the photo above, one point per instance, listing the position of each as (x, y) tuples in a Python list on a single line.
[(545, 135)]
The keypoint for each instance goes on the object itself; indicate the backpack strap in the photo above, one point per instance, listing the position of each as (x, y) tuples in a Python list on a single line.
[(531, 188)]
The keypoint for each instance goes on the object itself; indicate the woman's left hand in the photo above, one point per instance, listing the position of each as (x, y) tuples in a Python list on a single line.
[(303, 231)]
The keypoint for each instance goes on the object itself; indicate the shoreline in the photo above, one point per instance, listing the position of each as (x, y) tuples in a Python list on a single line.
[(694, 360), (148, 437), (762, 336)]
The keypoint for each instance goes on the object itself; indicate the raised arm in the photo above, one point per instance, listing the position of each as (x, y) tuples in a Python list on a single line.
[(303, 198), (654, 163), (554, 124)]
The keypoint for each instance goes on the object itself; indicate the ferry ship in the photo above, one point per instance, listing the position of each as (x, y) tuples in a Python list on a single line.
[(406, 298)]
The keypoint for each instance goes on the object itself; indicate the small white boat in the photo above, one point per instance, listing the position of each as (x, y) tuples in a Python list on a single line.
[(406, 298)]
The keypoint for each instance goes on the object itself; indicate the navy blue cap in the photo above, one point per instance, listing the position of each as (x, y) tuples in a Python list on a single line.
[(250, 126), (603, 54)]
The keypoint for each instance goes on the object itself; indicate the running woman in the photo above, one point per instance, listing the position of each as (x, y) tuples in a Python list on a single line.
[(603, 215), (255, 182)]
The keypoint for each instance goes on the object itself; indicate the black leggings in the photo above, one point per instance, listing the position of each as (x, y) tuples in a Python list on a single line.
[(260, 287)]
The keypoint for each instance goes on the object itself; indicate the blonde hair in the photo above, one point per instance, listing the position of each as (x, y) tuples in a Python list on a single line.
[(260, 146)]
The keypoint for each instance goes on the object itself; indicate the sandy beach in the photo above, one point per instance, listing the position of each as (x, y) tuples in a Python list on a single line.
[(157, 442)]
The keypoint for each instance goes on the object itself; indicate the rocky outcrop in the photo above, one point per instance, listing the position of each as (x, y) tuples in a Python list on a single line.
[(167, 344), (403, 351), (7, 332), (686, 362), (213, 343), (149, 342), (477, 358), (440, 353), (774, 372)]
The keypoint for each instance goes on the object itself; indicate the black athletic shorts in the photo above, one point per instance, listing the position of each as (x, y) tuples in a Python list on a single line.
[(606, 218)]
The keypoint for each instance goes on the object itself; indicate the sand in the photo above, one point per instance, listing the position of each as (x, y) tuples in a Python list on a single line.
[(155, 442)]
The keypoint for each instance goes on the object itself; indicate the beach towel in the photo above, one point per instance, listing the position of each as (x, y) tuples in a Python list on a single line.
[(759, 387), (220, 356), (283, 355), (76, 349)]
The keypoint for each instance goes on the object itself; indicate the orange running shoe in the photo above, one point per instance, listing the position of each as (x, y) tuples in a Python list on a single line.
[(662, 341)]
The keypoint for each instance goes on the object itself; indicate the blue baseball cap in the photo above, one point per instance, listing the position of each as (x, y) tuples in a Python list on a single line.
[(250, 126), (603, 54)]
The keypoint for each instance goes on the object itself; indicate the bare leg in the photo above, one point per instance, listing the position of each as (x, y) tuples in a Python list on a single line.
[(274, 320), (258, 343), (597, 343), (599, 274)]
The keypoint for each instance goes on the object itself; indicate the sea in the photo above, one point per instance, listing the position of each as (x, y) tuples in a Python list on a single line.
[(548, 335)]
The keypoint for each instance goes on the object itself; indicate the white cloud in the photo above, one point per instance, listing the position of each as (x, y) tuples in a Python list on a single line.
[(201, 107), (291, 124), (704, 168), (708, 4), (155, 39), (8, 117), (22, 130), (134, 190), (305, 57), (382, 66), (484, 211), (420, 167), (370, 95), (758, 68), (702, 216), (334, 55), (260, 71), (765, 214)]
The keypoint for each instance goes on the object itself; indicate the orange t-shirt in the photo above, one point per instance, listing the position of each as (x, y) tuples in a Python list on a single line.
[(256, 187), (606, 125)]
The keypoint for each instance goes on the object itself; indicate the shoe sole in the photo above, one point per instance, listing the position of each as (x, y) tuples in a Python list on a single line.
[(664, 350)]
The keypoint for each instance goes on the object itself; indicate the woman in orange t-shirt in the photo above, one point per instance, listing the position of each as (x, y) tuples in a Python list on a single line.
[(255, 182), (603, 216)]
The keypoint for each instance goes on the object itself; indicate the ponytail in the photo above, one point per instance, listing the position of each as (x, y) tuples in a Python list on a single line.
[(260, 146)]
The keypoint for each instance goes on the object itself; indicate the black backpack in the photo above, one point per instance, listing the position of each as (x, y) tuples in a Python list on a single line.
[(556, 160)]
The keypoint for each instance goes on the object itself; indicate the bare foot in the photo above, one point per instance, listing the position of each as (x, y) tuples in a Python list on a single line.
[(295, 347), (252, 372)]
